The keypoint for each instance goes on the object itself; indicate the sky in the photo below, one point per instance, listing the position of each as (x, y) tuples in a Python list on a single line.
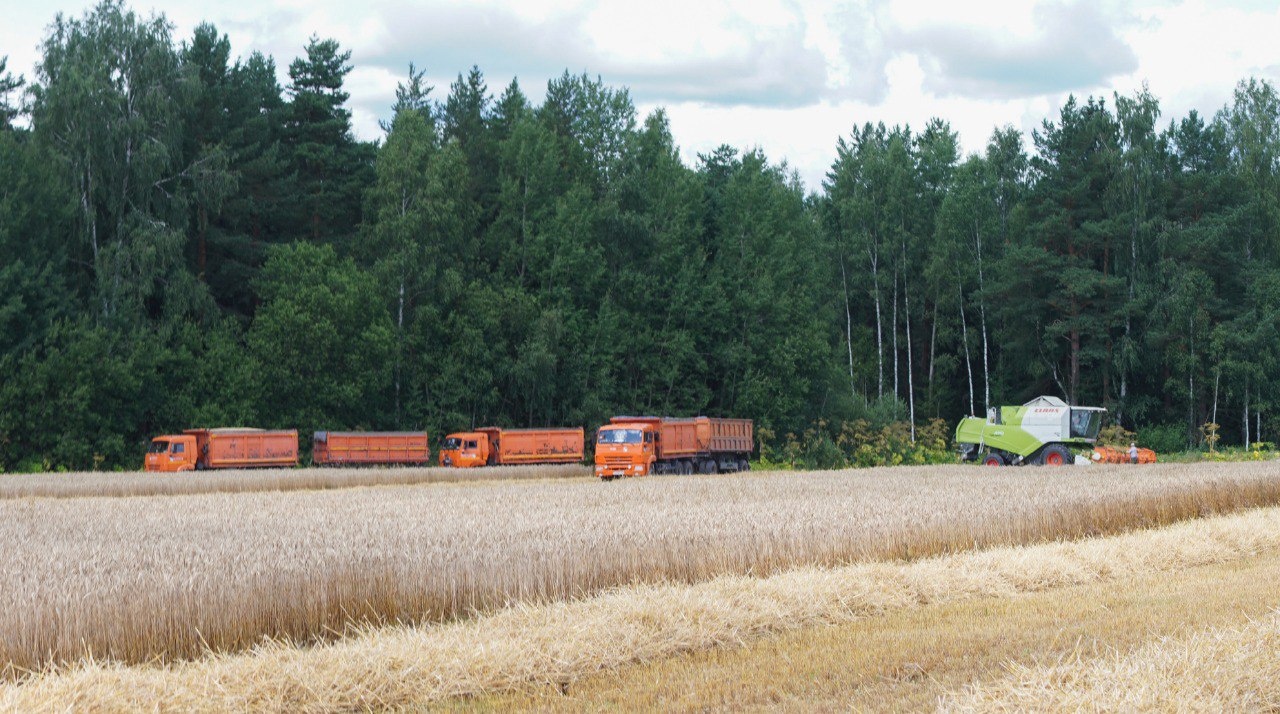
[(787, 76)]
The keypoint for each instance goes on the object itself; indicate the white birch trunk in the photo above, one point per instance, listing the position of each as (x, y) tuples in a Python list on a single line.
[(897, 391), (1246, 414), (933, 346), (399, 341), (875, 291), (911, 392), (848, 325), (982, 311), (1217, 378), (964, 337)]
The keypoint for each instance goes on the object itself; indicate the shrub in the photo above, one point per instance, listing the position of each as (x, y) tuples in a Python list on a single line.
[(1163, 438)]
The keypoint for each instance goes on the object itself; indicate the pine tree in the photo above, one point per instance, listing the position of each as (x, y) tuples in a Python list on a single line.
[(331, 168)]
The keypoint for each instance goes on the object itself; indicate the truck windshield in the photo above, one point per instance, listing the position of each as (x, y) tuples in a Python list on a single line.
[(452, 442), (619, 436), (158, 447)]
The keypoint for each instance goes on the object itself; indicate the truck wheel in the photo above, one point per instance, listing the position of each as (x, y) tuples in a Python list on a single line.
[(993, 459), (1056, 455)]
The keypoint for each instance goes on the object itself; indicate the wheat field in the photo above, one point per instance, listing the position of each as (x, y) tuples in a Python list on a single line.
[(170, 577), (139, 483), (558, 643)]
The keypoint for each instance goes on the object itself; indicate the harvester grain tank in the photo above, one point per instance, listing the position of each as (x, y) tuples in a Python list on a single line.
[(229, 448), (638, 446), (369, 448), (494, 446), (1042, 431)]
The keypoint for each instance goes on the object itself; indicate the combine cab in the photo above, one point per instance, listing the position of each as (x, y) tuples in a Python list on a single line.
[(1045, 431)]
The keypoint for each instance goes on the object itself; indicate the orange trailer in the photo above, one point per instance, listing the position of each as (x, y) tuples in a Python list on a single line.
[(636, 446), (1120, 455), (494, 446), (358, 448), (231, 448)]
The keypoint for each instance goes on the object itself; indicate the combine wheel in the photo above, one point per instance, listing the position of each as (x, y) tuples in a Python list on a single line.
[(993, 459), (1056, 455)]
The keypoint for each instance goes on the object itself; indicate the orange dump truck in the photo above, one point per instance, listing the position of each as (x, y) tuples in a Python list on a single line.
[(359, 448), (199, 449), (638, 446), (492, 446)]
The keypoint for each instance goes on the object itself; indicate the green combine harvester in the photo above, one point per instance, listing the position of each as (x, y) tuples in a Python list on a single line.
[(1044, 431)]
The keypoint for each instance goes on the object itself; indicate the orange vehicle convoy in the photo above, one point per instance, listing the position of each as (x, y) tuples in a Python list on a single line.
[(492, 446), (638, 446), (199, 449), (356, 448)]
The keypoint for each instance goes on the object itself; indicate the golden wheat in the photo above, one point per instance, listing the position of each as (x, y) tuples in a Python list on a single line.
[(137, 483), (1219, 670), (399, 667), (140, 578)]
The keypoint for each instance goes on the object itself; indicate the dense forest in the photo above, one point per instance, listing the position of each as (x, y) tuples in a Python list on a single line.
[(184, 241)]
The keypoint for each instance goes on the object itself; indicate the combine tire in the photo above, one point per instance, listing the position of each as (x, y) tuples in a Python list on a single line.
[(1055, 455), (993, 459)]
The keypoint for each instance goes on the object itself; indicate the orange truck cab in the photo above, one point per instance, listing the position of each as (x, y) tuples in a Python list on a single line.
[(626, 449), (495, 446), (171, 453), (639, 446), (465, 450), (228, 448)]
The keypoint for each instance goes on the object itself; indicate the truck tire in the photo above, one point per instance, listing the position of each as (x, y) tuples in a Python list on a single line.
[(993, 459), (1057, 455)]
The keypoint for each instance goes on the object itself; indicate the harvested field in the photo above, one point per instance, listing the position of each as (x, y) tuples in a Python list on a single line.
[(400, 667), (167, 577), (139, 483), (908, 660), (1218, 670)]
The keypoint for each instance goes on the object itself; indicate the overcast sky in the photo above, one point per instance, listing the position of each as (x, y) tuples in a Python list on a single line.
[(788, 76)]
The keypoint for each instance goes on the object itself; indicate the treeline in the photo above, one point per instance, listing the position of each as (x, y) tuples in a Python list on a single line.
[(183, 242)]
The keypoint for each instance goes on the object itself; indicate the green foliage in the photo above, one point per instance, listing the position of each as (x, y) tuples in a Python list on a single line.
[(330, 166), (9, 85), (322, 341), (1163, 438), (861, 444), (184, 242)]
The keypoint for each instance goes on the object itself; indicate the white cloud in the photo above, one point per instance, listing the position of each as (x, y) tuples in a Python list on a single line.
[(1071, 46), (790, 76)]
